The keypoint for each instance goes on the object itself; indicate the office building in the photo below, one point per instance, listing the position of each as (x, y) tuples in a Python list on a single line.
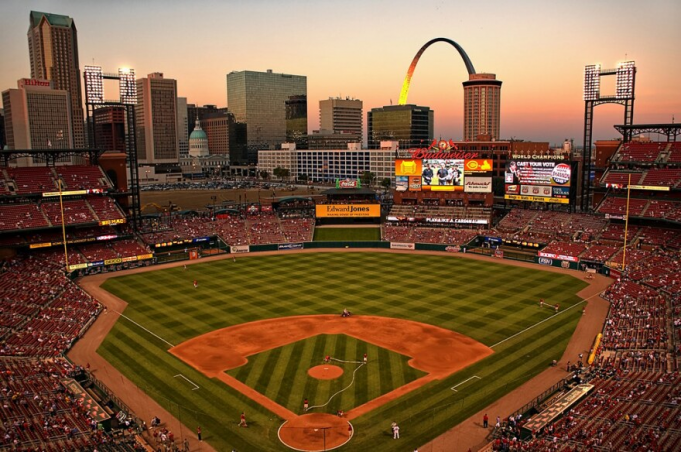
[(109, 128), (481, 107), (410, 125), (3, 139), (37, 116), (341, 116), (183, 126), (340, 123), (329, 165), (53, 53), (156, 120), (259, 99), (296, 121), (194, 110)]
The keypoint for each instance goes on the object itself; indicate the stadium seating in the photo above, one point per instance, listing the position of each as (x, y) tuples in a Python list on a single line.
[(29, 180), (82, 177), (76, 211), (621, 178), (618, 206), (674, 152), (664, 177), (639, 152), (22, 216)]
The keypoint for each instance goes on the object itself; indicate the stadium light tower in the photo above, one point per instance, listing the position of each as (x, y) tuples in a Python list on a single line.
[(624, 95), (127, 93)]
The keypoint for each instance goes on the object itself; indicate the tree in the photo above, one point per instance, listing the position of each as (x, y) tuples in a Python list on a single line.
[(368, 178), (264, 174), (281, 173), (302, 177), (386, 182)]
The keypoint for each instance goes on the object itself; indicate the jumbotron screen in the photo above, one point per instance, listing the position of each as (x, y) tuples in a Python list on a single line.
[(444, 175), (538, 181)]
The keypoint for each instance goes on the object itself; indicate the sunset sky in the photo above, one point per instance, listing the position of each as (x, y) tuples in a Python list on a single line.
[(362, 49)]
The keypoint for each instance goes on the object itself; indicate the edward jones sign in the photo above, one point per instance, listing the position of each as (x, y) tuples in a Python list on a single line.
[(348, 210)]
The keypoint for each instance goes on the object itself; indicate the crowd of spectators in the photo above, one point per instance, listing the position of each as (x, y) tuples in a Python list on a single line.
[(635, 404), (235, 229)]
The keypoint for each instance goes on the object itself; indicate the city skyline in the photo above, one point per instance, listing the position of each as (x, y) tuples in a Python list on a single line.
[(362, 50)]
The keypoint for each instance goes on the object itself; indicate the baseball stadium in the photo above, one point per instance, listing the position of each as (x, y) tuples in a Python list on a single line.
[(342, 318)]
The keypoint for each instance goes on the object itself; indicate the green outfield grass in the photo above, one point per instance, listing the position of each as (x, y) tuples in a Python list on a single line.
[(485, 300), (347, 234), (281, 373)]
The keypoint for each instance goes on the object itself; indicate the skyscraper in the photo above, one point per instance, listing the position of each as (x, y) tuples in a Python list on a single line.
[(109, 128), (37, 116), (156, 120), (182, 126), (259, 100), (410, 125), (341, 115), (53, 52), (481, 107)]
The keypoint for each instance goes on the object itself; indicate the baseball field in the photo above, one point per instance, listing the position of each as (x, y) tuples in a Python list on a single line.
[(443, 336)]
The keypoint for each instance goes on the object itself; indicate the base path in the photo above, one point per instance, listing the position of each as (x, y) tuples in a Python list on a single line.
[(438, 352)]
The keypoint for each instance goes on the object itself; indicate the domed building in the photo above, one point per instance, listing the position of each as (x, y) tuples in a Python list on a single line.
[(198, 142)]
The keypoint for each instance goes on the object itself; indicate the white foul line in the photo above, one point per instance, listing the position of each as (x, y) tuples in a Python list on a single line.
[(456, 386), (539, 323), (180, 375), (153, 334)]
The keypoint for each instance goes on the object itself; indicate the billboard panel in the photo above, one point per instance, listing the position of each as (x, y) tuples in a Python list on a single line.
[(478, 185), (478, 167), (539, 181), (407, 167), (348, 210)]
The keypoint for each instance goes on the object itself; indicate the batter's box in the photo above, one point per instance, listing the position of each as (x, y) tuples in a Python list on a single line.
[(473, 378)]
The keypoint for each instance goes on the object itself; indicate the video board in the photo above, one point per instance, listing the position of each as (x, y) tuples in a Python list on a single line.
[(438, 174), (539, 181)]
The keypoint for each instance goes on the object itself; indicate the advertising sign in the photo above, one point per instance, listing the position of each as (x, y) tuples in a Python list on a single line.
[(478, 185), (538, 181), (290, 246), (529, 172), (477, 166), (558, 256), (348, 210), (402, 246), (238, 249), (347, 183)]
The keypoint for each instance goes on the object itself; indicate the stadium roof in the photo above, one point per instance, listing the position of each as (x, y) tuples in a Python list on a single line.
[(671, 131)]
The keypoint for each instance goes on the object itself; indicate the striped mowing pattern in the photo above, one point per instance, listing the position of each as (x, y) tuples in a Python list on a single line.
[(482, 299), (281, 374)]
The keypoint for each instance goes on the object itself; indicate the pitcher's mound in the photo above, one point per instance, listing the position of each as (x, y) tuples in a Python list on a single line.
[(315, 432), (325, 372)]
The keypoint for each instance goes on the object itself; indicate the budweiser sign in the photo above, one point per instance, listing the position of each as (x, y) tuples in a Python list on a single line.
[(442, 150)]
